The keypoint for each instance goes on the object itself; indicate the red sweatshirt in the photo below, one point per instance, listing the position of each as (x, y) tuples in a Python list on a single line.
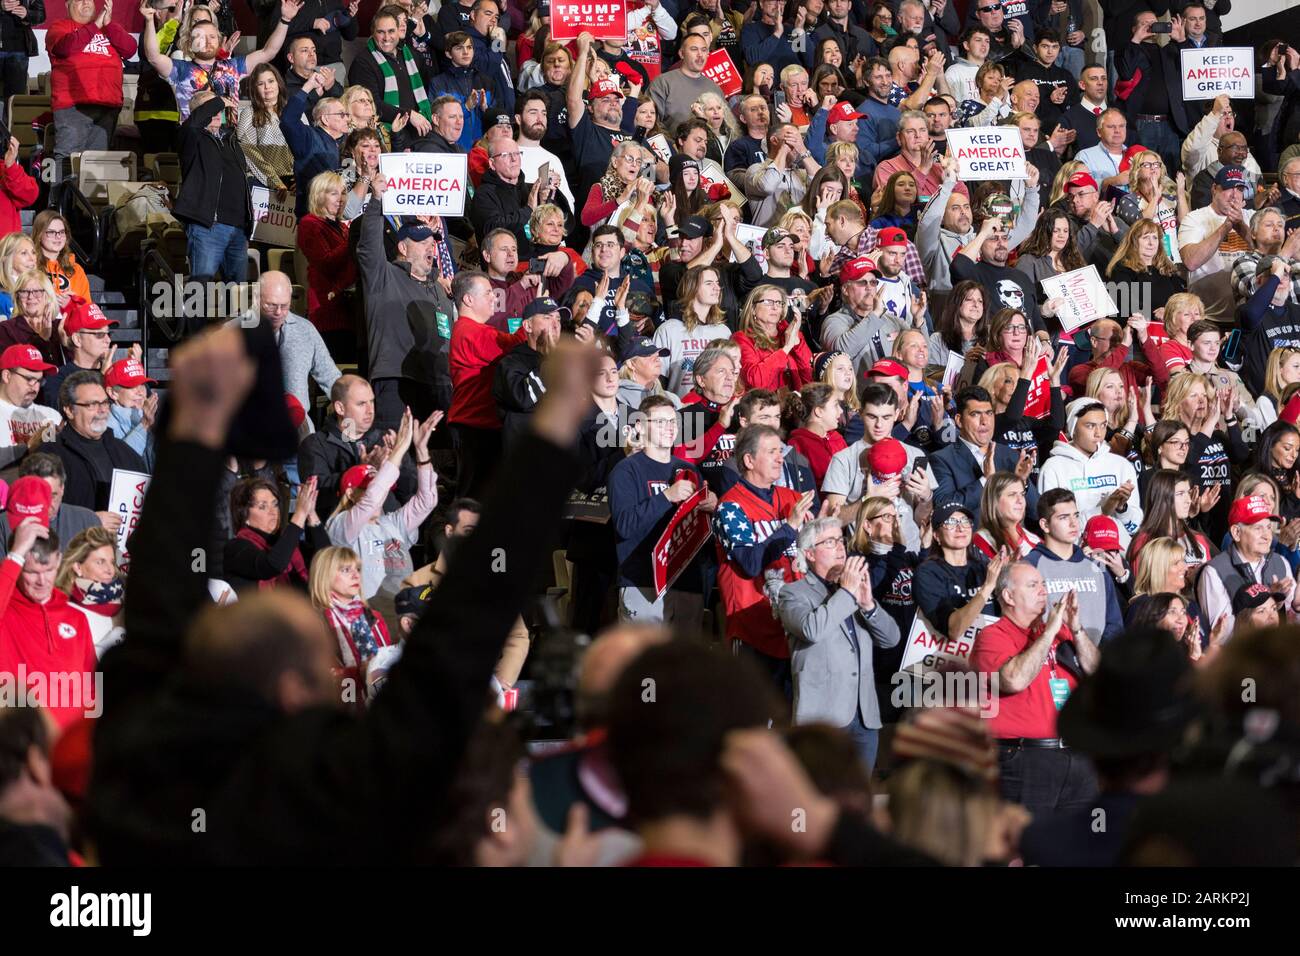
[(52, 642), (772, 368), (86, 63), (475, 349), (818, 450), (17, 191)]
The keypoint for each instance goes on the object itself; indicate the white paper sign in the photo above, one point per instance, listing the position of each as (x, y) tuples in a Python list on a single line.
[(658, 144), (988, 152), (125, 499), (1085, 295), (424, 184), (952, 370), (274, 220), (933, 650), (752, 236), (1211, 71)]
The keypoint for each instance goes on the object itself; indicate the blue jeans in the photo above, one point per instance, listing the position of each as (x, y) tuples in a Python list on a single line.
[(13, 78), (1159, 136), (217, 247), (1070, 59), (866, 740), (1043, 780)]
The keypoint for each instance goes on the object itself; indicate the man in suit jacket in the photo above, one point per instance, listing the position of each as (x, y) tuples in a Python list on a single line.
[(832, 621), (961, 468)]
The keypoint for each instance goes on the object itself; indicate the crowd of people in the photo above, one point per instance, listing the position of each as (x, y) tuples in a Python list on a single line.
[(746, 397)]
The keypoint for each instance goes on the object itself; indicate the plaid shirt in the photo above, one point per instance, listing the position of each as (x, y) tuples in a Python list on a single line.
[(1243, 276), (866, 242)]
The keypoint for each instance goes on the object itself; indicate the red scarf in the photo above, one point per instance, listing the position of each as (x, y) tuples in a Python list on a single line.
[(296, 571)]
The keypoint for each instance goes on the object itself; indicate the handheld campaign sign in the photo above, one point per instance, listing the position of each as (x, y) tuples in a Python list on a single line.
[(603, 19), (1085, 295), (988, 152), (125, 499), (721, 70), (274, 220), (424, 184), (928, 648), (1211, 71), (686, 533)]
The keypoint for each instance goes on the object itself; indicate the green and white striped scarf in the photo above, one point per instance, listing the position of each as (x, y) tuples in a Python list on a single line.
[(391, 96)]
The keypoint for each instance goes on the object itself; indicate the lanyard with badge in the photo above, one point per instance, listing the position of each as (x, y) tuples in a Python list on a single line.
[(1060, 686)]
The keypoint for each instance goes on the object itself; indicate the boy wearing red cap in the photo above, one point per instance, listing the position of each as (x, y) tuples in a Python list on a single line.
[(131, 415), (23, 423)]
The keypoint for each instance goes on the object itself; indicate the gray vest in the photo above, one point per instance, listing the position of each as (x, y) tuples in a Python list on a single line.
[(1236, 574)]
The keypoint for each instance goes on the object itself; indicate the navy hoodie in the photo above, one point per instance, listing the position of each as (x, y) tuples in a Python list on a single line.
[(639, 512)]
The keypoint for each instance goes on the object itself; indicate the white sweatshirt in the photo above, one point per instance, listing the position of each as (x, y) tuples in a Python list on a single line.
[(1093, 478)]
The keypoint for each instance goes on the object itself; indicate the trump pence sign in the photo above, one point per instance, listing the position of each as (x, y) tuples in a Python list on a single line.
[(988, 152), (603, 19), (424, 184)]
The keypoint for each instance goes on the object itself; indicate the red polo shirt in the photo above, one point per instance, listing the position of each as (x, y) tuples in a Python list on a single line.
[(1030, 712)]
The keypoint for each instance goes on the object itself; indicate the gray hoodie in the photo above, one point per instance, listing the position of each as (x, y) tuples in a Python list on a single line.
[(938, 245)]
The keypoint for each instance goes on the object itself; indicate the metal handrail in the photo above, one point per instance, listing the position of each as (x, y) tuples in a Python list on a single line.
[(72, 199)]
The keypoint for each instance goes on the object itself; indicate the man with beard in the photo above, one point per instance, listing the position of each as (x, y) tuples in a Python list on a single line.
[(531, 120), (1097, 231), (23, 423), (518, 385), (674, 92), (596, 125), (984, 260), (778, 245)]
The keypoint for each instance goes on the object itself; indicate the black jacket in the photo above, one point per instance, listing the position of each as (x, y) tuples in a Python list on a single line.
[(364, 71), (326, 454), (205, 160), (499, 205), (81, 487), (329, 45), (281, 788), (245, 566), (1136, 56), (22, 29), (517, 388)]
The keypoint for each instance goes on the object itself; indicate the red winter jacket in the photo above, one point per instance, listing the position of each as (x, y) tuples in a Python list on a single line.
[(17, 191), (772, 368), (331, 269), (52, 642), (86, 63), (475, 350)]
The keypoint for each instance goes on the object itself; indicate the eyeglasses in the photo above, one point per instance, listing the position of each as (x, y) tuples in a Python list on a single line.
[(95, 405), (837, 543), (989, 9), (98, 334), (333, 113), (1179, 442), (772, 302), (29, 379), (1148, 165), (57, 233), (31, 292), (1017, 328), (515, 155), (957, 522)]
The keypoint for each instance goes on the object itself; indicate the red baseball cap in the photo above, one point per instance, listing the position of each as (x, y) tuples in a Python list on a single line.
[(605, 87), (1080, 180), (128, 373), (843, 111), (358, 476), (887, 459), (891, 238), (890, 367), (83, 316), (29, 496), (1101, 533), (25, 356), (858, 268), (1129, 153), (1250, 510), (1291, 411)]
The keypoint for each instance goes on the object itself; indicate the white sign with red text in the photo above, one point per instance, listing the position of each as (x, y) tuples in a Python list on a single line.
[(988, 152), (424, 184), (1213, 71), (125, 499)]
